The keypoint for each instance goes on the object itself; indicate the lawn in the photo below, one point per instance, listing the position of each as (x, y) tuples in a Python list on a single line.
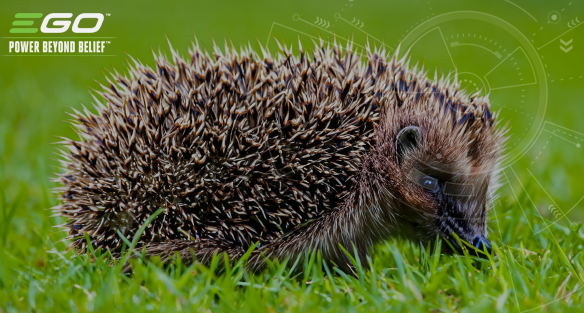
[(537, 264), (36, 274)]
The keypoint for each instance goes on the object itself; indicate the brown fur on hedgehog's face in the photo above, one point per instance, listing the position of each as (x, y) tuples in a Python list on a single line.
[(440, 178)]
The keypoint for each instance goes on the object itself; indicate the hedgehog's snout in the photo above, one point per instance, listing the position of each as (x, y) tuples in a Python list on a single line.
[(455, 226), (482, 243)]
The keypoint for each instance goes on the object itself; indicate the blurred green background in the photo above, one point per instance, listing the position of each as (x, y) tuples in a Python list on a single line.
[(510, 49)]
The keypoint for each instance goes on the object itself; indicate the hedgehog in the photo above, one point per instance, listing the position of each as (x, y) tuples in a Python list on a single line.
[(279, 154)]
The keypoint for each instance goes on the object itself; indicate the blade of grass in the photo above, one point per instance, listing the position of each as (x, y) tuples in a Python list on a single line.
[(137, 237)]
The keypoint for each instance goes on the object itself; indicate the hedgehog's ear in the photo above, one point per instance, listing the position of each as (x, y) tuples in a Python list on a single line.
[(407, 138)]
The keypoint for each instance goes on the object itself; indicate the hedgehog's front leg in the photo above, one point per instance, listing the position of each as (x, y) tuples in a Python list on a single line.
[(327, 235)]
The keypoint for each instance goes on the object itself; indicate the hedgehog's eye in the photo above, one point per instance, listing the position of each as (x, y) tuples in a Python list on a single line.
[(407, 138), (429, 183)]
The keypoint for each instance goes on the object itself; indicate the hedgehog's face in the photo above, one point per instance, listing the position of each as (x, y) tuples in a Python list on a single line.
[(444, 181)]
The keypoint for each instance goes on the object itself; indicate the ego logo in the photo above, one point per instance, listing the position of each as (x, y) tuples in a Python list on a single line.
[(55, 23)]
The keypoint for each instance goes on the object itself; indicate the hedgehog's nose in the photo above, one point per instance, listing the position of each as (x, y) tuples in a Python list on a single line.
[(481, 242)]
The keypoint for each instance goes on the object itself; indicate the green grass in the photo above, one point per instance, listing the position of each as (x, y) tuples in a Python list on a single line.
[(538, 263), (37, 275)]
